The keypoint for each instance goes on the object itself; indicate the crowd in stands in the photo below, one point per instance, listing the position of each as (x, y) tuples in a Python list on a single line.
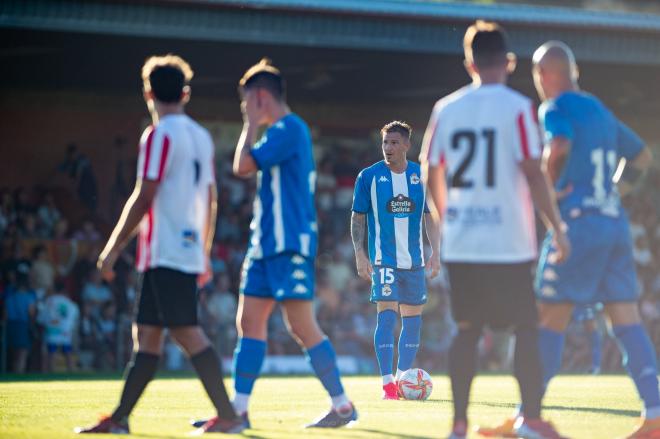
[(59, 314)]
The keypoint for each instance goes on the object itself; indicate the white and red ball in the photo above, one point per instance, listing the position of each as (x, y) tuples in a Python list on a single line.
[(415, 384)]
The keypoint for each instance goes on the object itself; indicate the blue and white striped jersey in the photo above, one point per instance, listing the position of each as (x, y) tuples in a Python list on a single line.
[(394, 205), (284, 211)]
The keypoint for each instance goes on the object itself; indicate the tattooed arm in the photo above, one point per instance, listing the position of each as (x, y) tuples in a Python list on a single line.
[(358, 227)]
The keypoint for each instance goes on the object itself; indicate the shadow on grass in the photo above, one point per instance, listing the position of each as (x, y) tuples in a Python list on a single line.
[(89, 376), (600, 410), (354, 432)]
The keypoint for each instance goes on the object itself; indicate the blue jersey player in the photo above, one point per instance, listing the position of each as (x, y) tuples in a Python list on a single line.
[(588, 150), (390, 201), (279, 265)]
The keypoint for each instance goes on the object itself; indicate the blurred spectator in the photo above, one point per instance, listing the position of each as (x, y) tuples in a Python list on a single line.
[(88, 337), (87, 232), (60, 321), (106, 336), (20, 311), (78, 167), (345, 171), (48, 215), (326, 186), (65, 250), (96, 293), (42, 273), (28, 228), (221, 307), (337, 269)]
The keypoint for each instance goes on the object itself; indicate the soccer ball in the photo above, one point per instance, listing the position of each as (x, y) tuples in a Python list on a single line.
[(415, 384)]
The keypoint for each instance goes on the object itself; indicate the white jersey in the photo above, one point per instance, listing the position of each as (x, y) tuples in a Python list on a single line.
[(60, 319), (177, 153), (481, 134)]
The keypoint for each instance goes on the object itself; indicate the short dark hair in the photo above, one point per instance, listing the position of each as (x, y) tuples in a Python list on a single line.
[(486, 44), (264, 75), (166, 76), (397, 126)]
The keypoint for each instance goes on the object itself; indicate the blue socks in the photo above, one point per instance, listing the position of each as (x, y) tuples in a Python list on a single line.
[(324, 362), (408, 341), (248, 359), (384, 340), (551, 347), (640, 362)]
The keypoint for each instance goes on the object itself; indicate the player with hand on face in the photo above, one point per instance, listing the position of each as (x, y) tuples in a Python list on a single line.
[(588, 151), (389, 199), (279, 265)]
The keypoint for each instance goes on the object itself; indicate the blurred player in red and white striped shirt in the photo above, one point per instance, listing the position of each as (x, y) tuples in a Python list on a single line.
[(173, 208)]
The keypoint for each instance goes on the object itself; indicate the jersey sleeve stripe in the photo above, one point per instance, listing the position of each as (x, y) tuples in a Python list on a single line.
[(522, 131), (163, 157), (147, 152)]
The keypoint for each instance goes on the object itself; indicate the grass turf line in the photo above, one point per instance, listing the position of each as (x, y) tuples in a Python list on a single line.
[(581, 406)]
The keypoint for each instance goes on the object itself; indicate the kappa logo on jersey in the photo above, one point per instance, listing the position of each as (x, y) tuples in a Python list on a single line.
[(414, 179), (401, 206), (550, 274), (548, 291), (300, 289), (189, 238), (387, 290), (298, 275), (383, 179), (298, 260)]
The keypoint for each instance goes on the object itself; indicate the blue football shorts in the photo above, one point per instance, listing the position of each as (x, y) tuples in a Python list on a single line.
[(281, 277), (396, 285), (600, 267)]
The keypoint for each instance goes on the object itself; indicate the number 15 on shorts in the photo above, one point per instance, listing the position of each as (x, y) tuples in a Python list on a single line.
[(386, 275)]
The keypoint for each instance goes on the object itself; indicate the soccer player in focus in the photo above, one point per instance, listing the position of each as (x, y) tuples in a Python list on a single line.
[(481, 156), (390, 197), (173, 209), (588, 150)]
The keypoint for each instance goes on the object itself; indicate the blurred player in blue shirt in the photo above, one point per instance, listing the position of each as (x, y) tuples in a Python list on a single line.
[(279, 266), (391, 195), (589, 151)]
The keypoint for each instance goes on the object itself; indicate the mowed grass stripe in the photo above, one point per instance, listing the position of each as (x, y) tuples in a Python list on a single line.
[(589, 407)]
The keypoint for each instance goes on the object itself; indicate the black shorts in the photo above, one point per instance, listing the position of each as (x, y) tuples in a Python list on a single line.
[(167, 298), (498, 295)]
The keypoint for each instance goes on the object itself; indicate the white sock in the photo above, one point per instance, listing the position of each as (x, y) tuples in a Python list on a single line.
[(340, 402), (399, 372), (240, 402), (387, 379), (651, 413)]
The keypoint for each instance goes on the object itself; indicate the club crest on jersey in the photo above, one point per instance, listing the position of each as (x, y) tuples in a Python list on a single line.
[(414, 179), (189, 238), (387, 290), (401, 206)]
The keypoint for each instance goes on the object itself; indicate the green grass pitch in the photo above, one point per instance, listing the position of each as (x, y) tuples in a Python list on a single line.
[(589, 407)]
